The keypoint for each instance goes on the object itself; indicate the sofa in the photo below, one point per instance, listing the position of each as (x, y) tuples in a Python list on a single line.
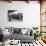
[(22, 34)]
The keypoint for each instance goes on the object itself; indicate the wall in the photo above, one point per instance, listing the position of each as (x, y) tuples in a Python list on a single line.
[(31, 14)]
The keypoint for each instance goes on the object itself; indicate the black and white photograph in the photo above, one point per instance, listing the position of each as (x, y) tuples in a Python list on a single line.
[(15, 15)]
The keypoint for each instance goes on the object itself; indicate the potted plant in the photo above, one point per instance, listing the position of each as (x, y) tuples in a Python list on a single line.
[(37, 33)]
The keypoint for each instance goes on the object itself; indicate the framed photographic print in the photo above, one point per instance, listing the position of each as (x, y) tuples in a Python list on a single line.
[(15, 15)]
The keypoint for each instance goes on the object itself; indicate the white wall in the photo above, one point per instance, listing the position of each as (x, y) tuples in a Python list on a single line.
[(31, 14)]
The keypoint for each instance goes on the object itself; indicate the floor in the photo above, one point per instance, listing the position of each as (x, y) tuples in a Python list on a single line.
[(35, 43)]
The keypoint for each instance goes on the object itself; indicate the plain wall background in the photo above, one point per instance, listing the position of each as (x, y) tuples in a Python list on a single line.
[(31, 14)]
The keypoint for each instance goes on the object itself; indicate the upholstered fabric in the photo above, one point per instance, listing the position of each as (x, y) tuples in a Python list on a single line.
[(17, 34), (17, 30), (20, 37), (23, 31)]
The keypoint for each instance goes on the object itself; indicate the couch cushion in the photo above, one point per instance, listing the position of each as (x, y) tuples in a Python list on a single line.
[(23, 31), (22, 38), (17, 30)]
